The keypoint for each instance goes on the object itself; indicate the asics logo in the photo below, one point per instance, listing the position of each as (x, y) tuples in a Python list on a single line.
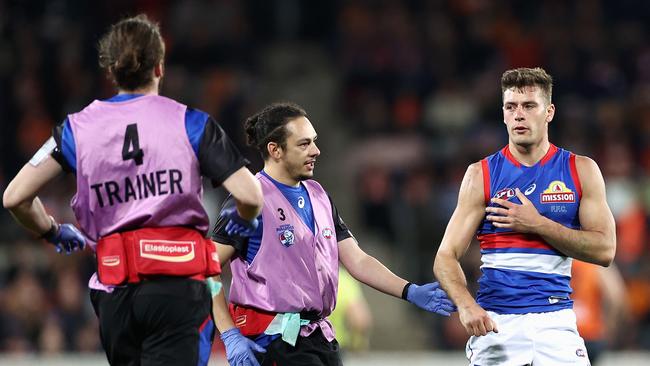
[(530, 189)]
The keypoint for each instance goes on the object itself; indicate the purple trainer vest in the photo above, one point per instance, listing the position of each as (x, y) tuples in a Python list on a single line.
[(114, 193), (294, 269)]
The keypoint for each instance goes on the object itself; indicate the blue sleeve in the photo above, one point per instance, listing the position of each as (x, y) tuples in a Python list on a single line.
[(68, 147), (65, 152), (195, 121)]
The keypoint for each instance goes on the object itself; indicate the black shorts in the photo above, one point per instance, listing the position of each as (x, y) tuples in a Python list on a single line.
[(166, 321), (314, 350)]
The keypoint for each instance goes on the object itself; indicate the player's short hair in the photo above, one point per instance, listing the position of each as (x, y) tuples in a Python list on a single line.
[(269, 125), (130, 50), (526, 77)]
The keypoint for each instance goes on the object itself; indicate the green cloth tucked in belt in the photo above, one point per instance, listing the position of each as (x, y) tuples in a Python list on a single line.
[(214, 286), (287, 324)]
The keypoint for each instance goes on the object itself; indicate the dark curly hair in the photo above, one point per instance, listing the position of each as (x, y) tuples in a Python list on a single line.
[(268, 125)]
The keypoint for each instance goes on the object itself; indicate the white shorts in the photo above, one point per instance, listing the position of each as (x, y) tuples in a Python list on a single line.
[(537, 339)]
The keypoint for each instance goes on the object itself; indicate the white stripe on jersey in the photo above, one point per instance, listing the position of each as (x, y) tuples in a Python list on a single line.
[(529, 262)]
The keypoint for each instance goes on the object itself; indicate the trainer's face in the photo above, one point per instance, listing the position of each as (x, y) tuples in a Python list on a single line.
[(527, 114), (299, 157)]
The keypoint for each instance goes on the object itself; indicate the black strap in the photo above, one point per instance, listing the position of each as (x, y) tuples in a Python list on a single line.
[(405, 291)]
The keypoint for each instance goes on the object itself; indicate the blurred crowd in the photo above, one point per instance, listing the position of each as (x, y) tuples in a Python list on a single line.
[(419, 96)]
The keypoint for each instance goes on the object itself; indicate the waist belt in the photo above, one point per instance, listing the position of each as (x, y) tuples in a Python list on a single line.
[(132, 256), (253, 322)]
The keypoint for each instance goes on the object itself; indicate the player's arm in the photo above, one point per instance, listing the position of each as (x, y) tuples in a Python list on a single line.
[(461, 228), (221, 161), (239, 349), (220, 311), (246, 190), (20, 197), (367, 269), (595, 242)]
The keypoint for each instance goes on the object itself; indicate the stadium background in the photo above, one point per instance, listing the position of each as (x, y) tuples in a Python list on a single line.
[(404, 95)]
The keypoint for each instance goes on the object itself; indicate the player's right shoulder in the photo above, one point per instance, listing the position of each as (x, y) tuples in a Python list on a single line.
[(475, 173), (472, 189)]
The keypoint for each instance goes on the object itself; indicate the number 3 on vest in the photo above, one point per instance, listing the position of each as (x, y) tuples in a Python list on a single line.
[(282, 217), (131, 139)]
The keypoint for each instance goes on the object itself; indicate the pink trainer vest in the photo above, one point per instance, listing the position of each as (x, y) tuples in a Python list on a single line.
[(295, 270), (114, 193)]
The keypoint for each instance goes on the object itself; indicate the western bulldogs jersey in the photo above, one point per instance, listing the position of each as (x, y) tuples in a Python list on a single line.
[(521, 273)]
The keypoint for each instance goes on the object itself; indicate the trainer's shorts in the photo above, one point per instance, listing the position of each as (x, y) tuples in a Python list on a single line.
[(166, 321), (537, 339)]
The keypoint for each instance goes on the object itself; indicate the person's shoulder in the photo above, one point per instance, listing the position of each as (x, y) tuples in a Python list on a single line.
[(586, 163), (588, 170), (312, 183), (472, 188), (88, 108), (475, 169), (168, 100)]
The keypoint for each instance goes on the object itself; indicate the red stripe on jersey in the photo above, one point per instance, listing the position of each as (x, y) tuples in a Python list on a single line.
[(549, 154), (486, 180), (574, 174), (552, 149), (512, 240)]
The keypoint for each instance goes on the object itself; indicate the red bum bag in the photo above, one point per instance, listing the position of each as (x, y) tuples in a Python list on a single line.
[(134, 255)]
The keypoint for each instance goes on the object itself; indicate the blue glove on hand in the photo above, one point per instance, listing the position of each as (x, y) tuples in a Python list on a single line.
[(237, 225), (430, 297), (239, 349), (65, 237)]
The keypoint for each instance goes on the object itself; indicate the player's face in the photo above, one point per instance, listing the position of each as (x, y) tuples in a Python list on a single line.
[(526, 114), (300, 154)]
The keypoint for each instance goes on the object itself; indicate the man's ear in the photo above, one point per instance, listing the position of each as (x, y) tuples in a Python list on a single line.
[(550, 113), (159, 70), (275, 150)]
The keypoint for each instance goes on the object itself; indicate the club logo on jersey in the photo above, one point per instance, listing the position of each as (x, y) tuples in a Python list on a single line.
[(286, 235), (505, 194), (167, 250), (557, 192), (327, 233)]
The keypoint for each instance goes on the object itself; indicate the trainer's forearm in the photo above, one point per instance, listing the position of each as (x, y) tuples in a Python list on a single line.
[(220, 311), (31, 215), (449, 273), (588, 246), (248, 212), (370, 271)]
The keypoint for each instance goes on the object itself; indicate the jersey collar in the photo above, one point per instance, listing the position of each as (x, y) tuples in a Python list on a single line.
[(549, 154)]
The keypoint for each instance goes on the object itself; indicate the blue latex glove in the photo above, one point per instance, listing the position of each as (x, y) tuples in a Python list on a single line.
[(239, 349), (237, 225), (430, 297), (66, 237)]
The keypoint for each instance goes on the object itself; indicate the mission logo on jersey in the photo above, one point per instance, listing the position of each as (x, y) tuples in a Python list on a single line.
[(557, 192)]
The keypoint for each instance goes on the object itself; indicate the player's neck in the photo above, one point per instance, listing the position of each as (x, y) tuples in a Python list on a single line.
[(151, 89), (280, 174), (529, 155)]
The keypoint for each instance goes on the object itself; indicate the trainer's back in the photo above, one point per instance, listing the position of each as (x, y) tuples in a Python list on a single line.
[(135, 167)]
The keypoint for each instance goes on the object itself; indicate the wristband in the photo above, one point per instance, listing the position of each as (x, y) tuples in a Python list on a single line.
[(52, 231), (405, 291)]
